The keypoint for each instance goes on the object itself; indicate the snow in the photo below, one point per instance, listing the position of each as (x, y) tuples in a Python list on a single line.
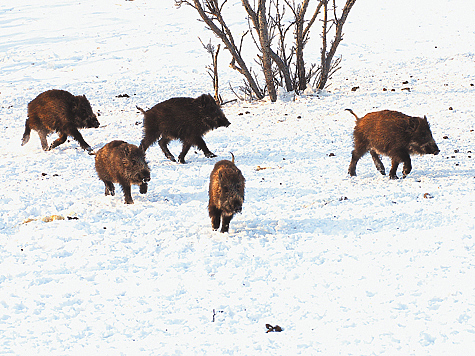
[(351, 266)]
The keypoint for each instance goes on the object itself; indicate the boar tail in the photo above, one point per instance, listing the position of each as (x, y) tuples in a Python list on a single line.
[(140, 109), (232, 156), (26, 135), (351, 111)]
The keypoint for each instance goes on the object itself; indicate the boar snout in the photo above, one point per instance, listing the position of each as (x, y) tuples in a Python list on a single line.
[(237, 206), (92, 122), (146, 178), (433, 149), (224, 122), (426, 148)]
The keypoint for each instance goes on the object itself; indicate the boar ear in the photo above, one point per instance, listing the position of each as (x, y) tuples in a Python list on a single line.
[(76, 103), (127, 150), (425, 118), (204, 100), (413, 124)]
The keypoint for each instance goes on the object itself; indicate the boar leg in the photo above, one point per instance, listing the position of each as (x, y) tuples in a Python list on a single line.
[(202, 146), (394, 164), (398, 158), (78, 137), (226, 221), (407, 168), (62, 139), (147, 141), (215, 215), (110, 190), (184, 151), (127, 192), (377, 162), (163, 143), (355, 156), (44, 142)]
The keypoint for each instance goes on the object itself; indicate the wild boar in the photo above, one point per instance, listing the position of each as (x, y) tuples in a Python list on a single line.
[(392, 134), (123, 163), (226, 193), (60, 111), (184, 119)]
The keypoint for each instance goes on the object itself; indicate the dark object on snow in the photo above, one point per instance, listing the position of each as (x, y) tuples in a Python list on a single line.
[(392, 134), (184, 119), (271, 328), (123, 163), (226, 193), (60, 111)]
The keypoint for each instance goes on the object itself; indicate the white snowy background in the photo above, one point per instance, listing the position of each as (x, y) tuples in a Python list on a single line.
[(346, 266)]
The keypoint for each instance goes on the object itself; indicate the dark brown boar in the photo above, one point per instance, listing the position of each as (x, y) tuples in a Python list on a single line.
[(60, 111), (123, 163), (226, 193), (184, 119), (392, 134)]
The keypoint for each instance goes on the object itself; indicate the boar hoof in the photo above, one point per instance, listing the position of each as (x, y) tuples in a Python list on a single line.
[(393, 177), (210, 155), (171, 158), (90, 151), (129, 201)]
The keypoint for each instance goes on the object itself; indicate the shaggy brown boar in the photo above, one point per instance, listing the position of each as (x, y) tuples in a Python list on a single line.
[(60, 111), (226, 193), (184, 119), (123, 163), (392, 134)]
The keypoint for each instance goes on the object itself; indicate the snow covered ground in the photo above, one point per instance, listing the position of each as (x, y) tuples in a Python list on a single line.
[(360, 266)]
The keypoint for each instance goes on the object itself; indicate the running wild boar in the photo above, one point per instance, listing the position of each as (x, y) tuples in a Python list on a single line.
[(60, 111), (226, 193), (123, 163), (184, 119), (392, 134)]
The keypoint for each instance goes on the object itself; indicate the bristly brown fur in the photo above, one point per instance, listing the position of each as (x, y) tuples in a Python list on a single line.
[(123, 163), (184, 119), (60, 111), (392, 134), (226, 193)]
